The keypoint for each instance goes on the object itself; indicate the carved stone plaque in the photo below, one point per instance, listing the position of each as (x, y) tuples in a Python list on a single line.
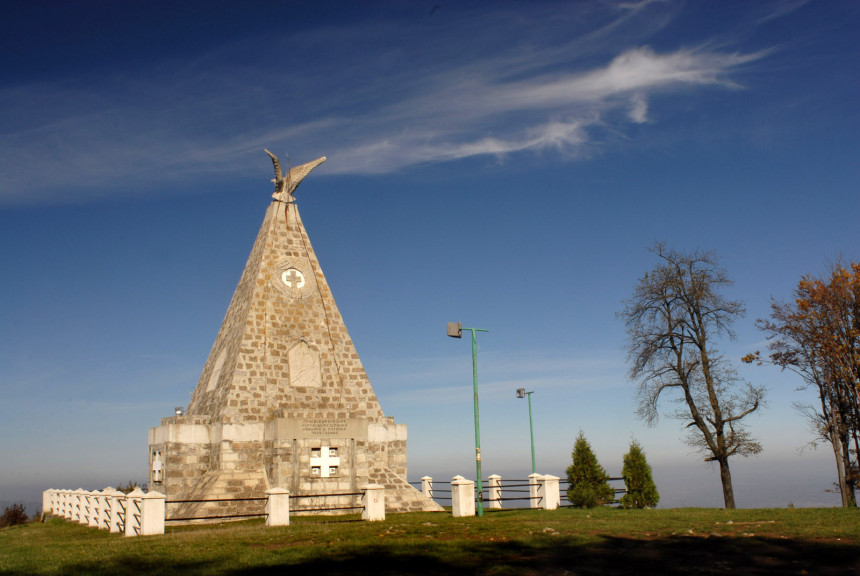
[(304, 364)]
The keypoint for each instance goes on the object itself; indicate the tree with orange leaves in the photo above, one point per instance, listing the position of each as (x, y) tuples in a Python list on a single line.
[(818, 337)]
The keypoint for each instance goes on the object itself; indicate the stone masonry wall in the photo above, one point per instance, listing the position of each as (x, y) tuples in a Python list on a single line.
[(283, 382)]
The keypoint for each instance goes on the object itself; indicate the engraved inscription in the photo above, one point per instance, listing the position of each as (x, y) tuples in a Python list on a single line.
[(323, 428)]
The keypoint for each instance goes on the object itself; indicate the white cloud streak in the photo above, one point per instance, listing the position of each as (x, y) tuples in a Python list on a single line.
[(446, 381), (127, 135)]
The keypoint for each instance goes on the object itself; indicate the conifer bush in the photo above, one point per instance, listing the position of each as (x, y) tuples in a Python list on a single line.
[(587, 480), (641, 490)]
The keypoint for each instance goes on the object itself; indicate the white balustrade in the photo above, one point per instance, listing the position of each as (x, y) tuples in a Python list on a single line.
[(374, 502), (140, 513), (93, 508), (152, 506), (277, 507), (133, 511), (78, 502), (495, 492), (427, 486), (462, 497), (535, 499), (549, 492), (116, 515)]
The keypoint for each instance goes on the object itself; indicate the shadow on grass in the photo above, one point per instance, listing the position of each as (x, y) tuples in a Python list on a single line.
[(544, 556)]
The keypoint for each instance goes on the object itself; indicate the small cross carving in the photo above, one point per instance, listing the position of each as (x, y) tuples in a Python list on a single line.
[(293, 278)]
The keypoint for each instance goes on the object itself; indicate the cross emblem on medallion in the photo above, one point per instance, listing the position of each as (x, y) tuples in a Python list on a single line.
[(293, 278)]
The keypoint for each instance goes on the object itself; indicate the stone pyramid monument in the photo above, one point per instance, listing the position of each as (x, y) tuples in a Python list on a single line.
[(283, 400)]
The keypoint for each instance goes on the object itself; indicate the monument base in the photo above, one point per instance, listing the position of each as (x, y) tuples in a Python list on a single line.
[(194, 460)]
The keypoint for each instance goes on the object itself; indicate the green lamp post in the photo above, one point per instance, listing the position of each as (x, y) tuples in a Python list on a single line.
[(455, 330), (521, 393)]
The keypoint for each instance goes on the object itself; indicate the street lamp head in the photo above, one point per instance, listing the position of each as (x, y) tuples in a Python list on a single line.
[(455, 329), (521, 392)]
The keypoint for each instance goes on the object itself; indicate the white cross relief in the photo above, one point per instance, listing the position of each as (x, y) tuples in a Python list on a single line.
[(293, 278), (325, 462), (157, 467)]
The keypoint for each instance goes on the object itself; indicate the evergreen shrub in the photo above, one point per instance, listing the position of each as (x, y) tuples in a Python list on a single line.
[(641, 490), (587, 480)]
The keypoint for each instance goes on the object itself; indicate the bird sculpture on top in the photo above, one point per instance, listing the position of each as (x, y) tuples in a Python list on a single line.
[(285, 186)]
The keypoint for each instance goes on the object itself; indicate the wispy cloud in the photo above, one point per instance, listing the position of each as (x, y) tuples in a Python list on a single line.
[(553, 111), (780, 9), (125, 134), (440, 381)]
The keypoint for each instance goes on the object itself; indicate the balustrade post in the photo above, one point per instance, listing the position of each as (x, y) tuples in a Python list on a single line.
[(374, 502), (133, 511), (462, 497), (94, 512), (534, 491), (86, 508), (47, 501), (495, 483), (103, 518), (549, 491), (56, 503), (427, 486), (277, 507), (116, 510), (79, 505), (67, 504), (152, 505), (73, 505)]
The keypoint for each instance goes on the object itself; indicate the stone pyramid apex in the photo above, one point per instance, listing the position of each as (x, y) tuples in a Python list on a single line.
[(283, 349)]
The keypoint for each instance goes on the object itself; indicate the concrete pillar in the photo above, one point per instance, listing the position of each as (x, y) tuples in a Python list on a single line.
[(116, 510), (277, 507), (104, 508), (535, 500), (152, 513), (79, 502), (86, 508), (67, 504), (73, 506), (133, 511), (495, 483), (56, 502), (374, 502), (47, 501), (427, 486), (94, 509), (549, 492), (462, 497)]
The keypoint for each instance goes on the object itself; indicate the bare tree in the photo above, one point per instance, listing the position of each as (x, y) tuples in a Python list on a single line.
[(672, 319)]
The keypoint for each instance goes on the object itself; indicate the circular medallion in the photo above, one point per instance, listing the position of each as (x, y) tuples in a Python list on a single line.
[(294, 278)]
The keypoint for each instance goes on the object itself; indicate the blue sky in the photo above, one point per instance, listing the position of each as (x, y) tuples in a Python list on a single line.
[(503, 165)]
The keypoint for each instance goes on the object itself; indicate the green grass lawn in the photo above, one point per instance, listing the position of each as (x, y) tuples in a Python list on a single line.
[(567, 541)]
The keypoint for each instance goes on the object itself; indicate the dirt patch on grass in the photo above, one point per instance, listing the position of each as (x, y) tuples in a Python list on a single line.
[(278, 545)]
